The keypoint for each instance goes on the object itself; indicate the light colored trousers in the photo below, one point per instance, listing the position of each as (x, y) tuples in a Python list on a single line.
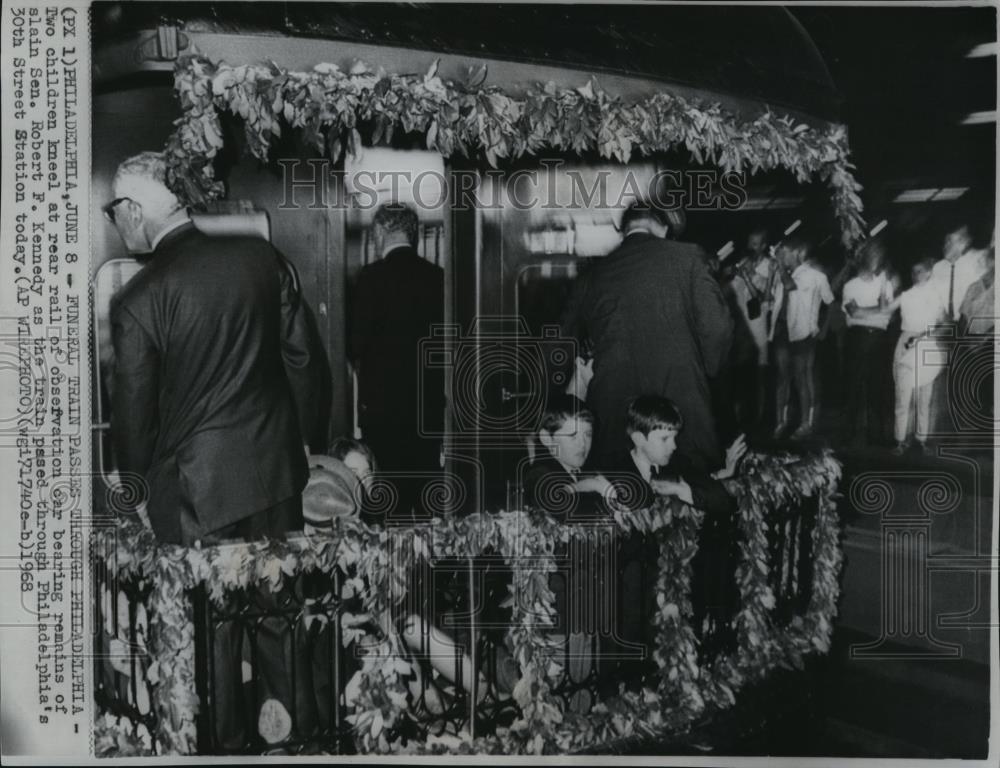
[(914, 371)]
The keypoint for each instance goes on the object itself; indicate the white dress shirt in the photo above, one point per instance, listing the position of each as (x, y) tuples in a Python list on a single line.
[(865, 292), (643, 465), (920, 307), (811, 288), (969, 267)]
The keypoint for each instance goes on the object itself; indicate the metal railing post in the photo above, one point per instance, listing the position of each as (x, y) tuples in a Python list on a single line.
[(473, 648)]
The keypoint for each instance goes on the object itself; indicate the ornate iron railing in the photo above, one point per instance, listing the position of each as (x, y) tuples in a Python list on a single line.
[(445, 637)]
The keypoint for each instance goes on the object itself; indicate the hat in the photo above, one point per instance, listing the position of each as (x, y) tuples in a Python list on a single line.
[(329, 493)]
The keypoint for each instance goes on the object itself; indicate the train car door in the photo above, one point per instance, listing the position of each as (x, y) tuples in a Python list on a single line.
[(518, 253)]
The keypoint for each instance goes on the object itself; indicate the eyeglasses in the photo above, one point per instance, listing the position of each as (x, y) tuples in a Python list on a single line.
[(109, 209)]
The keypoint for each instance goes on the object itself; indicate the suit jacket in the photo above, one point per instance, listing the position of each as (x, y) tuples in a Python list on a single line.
[(707, 493), (711, 573), (659, 325), (544, 488), (206, 339), (397, 302)]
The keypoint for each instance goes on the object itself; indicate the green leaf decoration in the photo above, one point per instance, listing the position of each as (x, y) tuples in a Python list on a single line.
[(470, 119)]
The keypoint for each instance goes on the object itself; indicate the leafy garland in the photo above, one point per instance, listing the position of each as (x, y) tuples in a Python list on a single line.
[(328, 105), (375, 560)]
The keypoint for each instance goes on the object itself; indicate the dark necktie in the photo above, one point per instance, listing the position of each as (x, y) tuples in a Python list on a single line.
[(951, 293)]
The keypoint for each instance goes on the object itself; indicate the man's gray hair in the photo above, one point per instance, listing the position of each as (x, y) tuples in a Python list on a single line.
[(143, 178), (399, 217), (150, 165)]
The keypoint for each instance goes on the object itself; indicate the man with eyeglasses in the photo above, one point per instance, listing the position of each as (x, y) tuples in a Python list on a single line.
[(206, 339), (202, 408)]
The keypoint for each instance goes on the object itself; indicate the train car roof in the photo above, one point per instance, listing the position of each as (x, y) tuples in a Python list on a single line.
[(749, 54)]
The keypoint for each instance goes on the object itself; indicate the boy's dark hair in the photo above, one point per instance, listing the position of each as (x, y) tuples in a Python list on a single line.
[(559, 409), (649, 412), (925, 263), (345, 445)]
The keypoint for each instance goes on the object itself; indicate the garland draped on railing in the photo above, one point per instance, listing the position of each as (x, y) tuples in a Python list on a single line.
[(328, 105), (375, 560)]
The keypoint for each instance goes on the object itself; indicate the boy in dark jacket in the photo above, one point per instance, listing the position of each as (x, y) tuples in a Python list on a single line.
[(652, 468), (555, 482)]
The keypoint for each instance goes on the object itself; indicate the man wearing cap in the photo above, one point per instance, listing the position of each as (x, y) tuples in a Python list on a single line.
[(659, 325)]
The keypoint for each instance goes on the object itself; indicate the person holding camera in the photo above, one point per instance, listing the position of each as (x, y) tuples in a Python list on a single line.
[(752, 284)]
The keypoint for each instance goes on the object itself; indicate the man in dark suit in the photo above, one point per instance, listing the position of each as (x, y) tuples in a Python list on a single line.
[(397, 302), (207, 338), (658, 324), (202, 408)]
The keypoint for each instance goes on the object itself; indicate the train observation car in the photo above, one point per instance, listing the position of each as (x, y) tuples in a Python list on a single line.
[(519, 149), (502, 257)]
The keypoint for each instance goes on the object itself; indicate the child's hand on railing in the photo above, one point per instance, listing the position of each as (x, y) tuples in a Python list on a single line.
[(594, 484), (678, 488), (734, 454), (598, 484)]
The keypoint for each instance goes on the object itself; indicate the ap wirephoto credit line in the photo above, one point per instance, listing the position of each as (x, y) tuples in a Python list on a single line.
[(45, 438), (519, 381)]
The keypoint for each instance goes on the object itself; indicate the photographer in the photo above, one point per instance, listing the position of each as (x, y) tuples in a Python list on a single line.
[(752, 286)]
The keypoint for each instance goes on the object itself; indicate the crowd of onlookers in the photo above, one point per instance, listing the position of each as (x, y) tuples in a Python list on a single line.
[(890, 330)]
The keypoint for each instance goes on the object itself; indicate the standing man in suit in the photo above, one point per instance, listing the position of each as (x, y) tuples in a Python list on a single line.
[(659, 325), (207, 338), (397, 302)]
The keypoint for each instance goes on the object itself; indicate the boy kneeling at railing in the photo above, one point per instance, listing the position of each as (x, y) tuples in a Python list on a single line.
[(657, 469), (556, 483)]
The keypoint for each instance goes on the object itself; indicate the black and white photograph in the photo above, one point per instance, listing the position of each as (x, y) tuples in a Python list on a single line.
[(503, 380)]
